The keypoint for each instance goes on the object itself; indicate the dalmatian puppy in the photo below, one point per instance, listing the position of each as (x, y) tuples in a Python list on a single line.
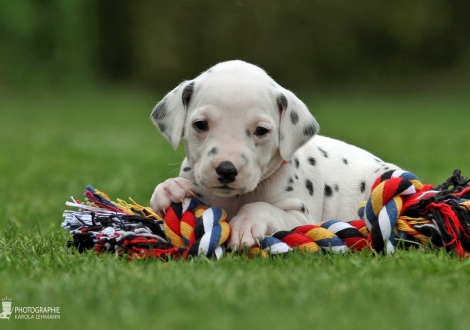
[(252, 148)]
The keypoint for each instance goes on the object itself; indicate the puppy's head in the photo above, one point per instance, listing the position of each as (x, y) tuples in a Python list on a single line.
[(237, 124)]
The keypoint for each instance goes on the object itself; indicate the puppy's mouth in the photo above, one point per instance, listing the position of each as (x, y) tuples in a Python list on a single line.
[(225, 187), (227, 191)]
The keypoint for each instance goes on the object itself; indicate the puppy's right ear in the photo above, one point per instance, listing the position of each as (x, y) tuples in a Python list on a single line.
[(170, 113)]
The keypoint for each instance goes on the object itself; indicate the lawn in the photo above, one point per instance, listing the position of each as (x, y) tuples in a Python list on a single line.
[(53, 145)]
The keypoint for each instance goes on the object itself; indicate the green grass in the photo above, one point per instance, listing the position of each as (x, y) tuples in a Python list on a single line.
[(52, 146)]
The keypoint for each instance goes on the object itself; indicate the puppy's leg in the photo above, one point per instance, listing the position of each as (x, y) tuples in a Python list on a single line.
[(256, 220), (173, 190)]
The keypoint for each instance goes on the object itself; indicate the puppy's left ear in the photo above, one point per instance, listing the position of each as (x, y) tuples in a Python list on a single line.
[(297, 124), (170, 113)]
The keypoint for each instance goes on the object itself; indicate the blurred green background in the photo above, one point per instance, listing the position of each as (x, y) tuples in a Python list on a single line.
[(78, 80), (305, 45)]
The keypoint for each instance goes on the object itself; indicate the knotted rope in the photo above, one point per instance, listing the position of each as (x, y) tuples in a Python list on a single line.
[(196, 229), (400, 209), (385, 206)]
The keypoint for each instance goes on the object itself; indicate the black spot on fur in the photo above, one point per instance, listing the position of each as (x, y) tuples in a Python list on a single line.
[(345, 161), (363, 186), (187, 169), (297, 163), (302, 208), (290, 180), (328, 191), (336, 188), (247, 132), (161, 127), (296, 177), (312, 161), (289, 188), (309, 186), (213, 151), (310, 129), (294, 117), (159, 112), (378, 160), (187, 93), (325, 154), (245, 159), (281, 99)]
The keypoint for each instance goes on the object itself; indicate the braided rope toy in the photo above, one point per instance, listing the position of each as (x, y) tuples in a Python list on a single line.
[(399, 209)]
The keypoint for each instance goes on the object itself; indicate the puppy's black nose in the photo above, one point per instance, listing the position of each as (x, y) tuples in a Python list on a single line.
[(227, 172)]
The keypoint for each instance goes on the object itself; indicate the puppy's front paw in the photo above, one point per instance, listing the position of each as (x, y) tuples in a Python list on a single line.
[(248, 228), (173, 190)]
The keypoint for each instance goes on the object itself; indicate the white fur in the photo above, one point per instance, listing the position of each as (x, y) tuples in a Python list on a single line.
[(322, 179)]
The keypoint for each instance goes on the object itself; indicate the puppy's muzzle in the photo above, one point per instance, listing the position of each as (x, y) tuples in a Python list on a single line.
[(226, 171)]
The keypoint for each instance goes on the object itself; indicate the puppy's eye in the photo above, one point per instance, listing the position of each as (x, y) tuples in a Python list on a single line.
[(261, 131), (201, 126)]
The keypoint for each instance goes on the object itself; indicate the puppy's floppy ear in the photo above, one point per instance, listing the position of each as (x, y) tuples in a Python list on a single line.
[(297, 123), (170, 113)]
